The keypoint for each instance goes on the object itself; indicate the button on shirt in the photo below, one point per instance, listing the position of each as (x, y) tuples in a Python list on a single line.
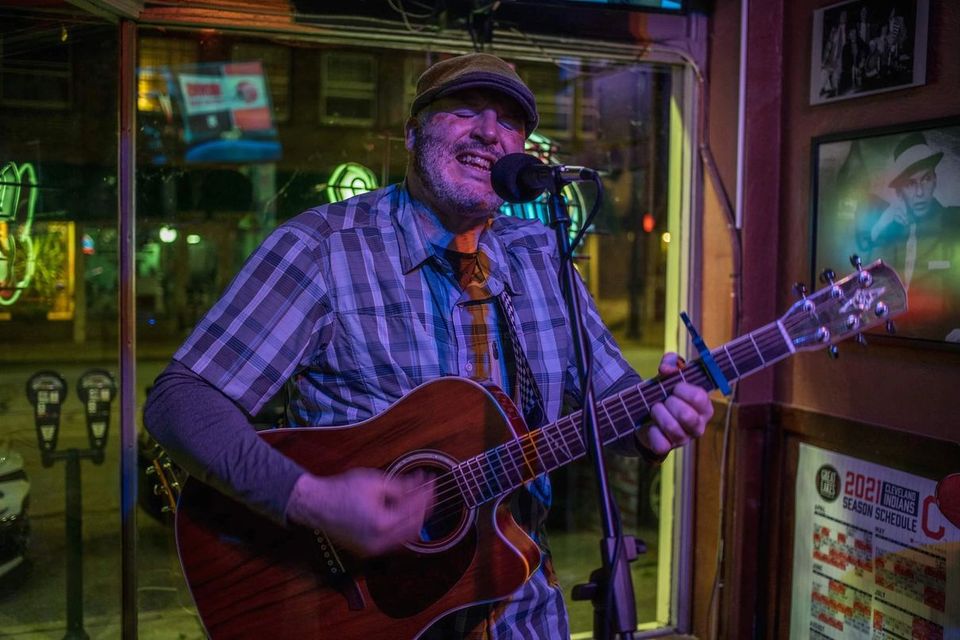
[(355, 306)]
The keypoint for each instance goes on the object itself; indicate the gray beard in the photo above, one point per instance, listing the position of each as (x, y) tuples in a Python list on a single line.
[(428, 159)]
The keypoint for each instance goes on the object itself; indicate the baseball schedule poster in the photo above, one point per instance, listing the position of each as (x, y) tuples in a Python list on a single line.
[(873, 557)]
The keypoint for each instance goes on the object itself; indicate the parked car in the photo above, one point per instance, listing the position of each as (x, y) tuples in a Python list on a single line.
[(14, 523)]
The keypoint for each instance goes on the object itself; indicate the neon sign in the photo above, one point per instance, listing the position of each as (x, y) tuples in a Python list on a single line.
[(348, 180), (18, 258)]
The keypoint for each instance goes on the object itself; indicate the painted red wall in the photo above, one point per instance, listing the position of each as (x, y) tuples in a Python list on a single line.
[(912, 389), (899, 388), (882, 384)]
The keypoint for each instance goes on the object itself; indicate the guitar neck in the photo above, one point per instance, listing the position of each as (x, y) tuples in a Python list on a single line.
[(501, 470)]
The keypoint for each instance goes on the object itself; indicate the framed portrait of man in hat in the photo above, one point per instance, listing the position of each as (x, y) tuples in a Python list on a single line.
[(894, 194)]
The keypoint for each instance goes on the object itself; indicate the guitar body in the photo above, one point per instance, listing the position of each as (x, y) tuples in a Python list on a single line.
[(251, 578)]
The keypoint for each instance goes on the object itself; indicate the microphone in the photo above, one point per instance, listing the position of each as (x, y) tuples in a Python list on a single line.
[(518, 177)]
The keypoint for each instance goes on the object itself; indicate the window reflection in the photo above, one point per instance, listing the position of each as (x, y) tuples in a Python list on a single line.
[(235, 135), (59, 446), (595, 113)]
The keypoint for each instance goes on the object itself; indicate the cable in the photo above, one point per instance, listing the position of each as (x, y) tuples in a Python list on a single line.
[(397, 5), (593, 212), (712, 610)]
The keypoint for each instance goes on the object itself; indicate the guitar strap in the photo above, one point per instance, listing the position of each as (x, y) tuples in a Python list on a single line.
[(529, 507), (526, 393)]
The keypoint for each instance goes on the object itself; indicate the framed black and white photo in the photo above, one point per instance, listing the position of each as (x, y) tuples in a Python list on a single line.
[(894, 194), (864, 47)]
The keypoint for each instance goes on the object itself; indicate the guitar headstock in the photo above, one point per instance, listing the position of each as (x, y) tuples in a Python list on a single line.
[(166, 481), (866, 298)]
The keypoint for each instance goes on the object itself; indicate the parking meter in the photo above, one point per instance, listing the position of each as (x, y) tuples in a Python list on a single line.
[(97, 389), (46, 391)]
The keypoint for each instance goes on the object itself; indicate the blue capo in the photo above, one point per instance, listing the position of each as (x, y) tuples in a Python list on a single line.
[(709, 364)]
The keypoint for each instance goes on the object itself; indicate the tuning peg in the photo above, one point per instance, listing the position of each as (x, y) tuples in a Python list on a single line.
[(881, 309), (828, 276), (864, 277), (891, 328), (833, 351), (861, 340), (800, 290)]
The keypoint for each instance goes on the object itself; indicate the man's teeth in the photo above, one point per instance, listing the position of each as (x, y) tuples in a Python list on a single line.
[(475, 161)]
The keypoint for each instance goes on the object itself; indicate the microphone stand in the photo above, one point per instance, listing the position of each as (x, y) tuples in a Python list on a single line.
[(610, 587)]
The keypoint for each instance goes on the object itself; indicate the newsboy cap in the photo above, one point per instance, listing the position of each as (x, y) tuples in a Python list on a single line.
[(472, 71)]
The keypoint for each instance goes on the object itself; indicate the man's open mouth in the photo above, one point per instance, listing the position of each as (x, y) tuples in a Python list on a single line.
[(481, 162)]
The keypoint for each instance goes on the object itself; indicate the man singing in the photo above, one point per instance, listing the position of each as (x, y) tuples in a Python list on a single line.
[(354, 304)]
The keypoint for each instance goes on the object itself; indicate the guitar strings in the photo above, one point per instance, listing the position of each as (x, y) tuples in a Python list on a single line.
[(450, 498), (447, 484), (567, 426)]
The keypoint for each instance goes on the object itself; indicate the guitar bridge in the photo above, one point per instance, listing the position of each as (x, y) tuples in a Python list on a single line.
[(337, 575)]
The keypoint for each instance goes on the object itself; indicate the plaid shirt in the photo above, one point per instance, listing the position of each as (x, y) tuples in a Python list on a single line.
[(354, 305)]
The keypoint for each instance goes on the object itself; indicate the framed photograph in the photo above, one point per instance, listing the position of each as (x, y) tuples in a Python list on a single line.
[(894, 194), (867, 46)]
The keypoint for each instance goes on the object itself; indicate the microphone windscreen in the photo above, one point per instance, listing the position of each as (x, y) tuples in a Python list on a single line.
[(505, 177)]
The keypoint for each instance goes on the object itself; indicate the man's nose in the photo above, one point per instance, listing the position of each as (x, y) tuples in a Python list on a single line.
[(485, 126)]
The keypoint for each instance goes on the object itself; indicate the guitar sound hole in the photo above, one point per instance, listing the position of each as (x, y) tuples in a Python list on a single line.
[(450, 517), (444, 521)]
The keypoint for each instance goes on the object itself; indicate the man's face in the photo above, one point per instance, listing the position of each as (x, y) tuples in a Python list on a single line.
[(455, 144), (917, 191)]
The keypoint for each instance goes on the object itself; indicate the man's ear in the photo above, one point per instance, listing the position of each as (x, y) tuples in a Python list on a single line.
[(410, 132)]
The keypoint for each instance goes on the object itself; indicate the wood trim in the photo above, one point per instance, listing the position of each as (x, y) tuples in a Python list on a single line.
[(111, 9)]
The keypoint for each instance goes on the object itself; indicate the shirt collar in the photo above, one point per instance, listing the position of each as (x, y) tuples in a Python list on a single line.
[(415, 248), (419, 232), (495, 261)]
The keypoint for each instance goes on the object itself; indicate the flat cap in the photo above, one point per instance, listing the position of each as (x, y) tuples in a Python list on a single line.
[(472, 71)]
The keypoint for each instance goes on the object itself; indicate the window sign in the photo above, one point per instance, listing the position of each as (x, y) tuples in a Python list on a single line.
[(18, 258), (348, 180), (225, 110)]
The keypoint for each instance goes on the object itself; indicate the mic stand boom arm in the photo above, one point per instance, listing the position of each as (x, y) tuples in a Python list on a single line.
[(611, 587)]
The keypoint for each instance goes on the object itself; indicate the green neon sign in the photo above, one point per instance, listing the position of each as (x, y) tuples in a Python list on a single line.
[(18, 258), (348, 180)]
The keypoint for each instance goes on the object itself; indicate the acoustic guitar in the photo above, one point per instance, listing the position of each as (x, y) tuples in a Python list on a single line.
[(251, 578)]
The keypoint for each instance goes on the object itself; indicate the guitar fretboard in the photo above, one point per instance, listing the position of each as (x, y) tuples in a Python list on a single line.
[(501, 470)]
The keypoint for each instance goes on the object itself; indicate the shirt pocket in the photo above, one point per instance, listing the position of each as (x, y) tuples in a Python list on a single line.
[(382, 353)]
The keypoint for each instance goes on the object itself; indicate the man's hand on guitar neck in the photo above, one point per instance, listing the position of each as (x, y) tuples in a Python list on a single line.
[(681, 418), (363, 509)]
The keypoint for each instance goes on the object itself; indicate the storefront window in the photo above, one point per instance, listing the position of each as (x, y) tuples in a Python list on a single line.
[(236, 134), (206, 200), (59, 439)]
